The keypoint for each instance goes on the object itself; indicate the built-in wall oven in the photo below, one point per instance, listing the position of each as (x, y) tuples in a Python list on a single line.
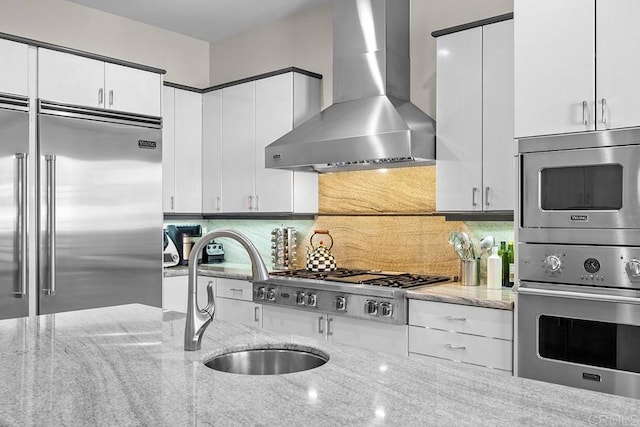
[(578, 292)]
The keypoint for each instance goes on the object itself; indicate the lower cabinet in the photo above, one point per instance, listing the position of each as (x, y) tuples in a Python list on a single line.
[(234, 303), (337, 329), (175, 291), (474, 335)]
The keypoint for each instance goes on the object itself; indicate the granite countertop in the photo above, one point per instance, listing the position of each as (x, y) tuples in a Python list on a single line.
[(456, 293), (224, 269), (126, 366)]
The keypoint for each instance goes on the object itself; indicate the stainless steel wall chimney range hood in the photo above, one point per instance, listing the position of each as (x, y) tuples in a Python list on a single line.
[(371, 124)]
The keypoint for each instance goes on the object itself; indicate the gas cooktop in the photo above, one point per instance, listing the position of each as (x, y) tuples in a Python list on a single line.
[(366, 277)]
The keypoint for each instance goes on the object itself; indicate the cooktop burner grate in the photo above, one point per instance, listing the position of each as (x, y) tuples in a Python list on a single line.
[(367, 277)]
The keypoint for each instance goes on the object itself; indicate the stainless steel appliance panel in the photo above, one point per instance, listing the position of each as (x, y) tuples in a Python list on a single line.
[(596, 348), (100, 230), (590, 188), (14, 147)]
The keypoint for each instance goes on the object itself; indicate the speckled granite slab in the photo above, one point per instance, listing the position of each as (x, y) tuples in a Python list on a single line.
[(455, 293), (126, 366), (228, 270)]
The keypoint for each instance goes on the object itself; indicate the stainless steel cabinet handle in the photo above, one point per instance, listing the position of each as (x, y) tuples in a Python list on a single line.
[(250, 202), (257, 203), (455, 347), (603, 111), (173, 205), (51, 222), (578, 295), (486, 196), (256, 314), (110, 97), (22, 224), (473, 196), (329, 331), (462, 319), (100, 96), (584, 113), (320, 321), (218, 203)]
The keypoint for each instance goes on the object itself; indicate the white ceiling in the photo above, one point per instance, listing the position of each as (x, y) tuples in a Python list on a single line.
[(208, 20)]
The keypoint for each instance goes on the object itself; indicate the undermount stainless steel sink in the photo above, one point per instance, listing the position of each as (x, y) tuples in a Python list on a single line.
[(267, 361)]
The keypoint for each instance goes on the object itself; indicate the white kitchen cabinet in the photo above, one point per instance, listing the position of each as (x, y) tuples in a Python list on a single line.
[(338, 329), (14, 72), (475, 335), (212, 152), (560, 84), (182, 165), (240, 121), (175, 292), (475, 119), (73, 79), (234, 302)]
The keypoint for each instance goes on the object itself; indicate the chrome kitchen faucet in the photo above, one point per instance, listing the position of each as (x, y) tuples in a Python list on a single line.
[(198, 319)]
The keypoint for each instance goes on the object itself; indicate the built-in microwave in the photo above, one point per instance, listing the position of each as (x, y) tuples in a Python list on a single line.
[(580, 182)]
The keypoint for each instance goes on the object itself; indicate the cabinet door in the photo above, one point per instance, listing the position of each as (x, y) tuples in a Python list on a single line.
[(274, 118), (70, 79), (368, 334), (168, 150), (617, 65), (212, 152), (554, 66), (175, 292), (188, 151), (237, 311), (295, 322), (14, 72), (498, 145), (132, 90), (459, 115), (238, 153)]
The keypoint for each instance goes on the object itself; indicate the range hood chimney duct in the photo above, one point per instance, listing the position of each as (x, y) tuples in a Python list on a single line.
[(372, 123)]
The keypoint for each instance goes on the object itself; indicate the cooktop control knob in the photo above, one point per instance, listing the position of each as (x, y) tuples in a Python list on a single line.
[(271, 294), (341, 304), (261, 293), (371, 307), (552, 263), (312, 301), (300, 299), (633, 268), (386, 309)]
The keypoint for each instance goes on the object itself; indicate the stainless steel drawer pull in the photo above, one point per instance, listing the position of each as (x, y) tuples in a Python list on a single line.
[(462, 319), (256, 313), (603, 111), (235, 290), (329, 332), (320, 321), (455, 347), (22, 219), (473, 196), (50, 160), (584, 113)]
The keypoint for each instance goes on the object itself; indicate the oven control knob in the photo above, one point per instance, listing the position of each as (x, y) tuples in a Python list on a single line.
[(312, 301), (633, 268), (552, 263), (300, 299), (371, 307), (341, 304), (271, 294), (386, 309), (261, 293)]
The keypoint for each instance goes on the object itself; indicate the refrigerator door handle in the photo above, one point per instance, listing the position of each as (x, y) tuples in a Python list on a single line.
[(22, 224), (51, 222)]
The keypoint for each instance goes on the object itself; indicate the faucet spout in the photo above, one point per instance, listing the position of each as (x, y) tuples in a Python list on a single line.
[(198, 319)]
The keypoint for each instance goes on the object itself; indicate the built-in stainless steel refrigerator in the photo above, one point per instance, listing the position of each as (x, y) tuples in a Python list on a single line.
[(99, 209), (14, 148)]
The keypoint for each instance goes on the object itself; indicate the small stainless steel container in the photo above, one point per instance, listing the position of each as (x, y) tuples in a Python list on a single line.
[(283, 248), (470, 272)]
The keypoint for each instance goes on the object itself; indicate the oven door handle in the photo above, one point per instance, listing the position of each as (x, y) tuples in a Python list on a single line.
[(577, 295)]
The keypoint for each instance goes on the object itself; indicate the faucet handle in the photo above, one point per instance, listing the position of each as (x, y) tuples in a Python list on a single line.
[(210, 307)]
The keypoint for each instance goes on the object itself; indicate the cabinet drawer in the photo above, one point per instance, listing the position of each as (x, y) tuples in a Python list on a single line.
[(487, 322), (494, 353), (417, 356), (234, 289)]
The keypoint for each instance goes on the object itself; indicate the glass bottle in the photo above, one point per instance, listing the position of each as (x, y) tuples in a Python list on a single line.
[(512, 269), (502, 253)]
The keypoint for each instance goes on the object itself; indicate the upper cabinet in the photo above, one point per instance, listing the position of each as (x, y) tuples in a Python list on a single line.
[(475, 119), (182, 151), (561, 86), (239, 121), (72, 79), (14, 72)]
